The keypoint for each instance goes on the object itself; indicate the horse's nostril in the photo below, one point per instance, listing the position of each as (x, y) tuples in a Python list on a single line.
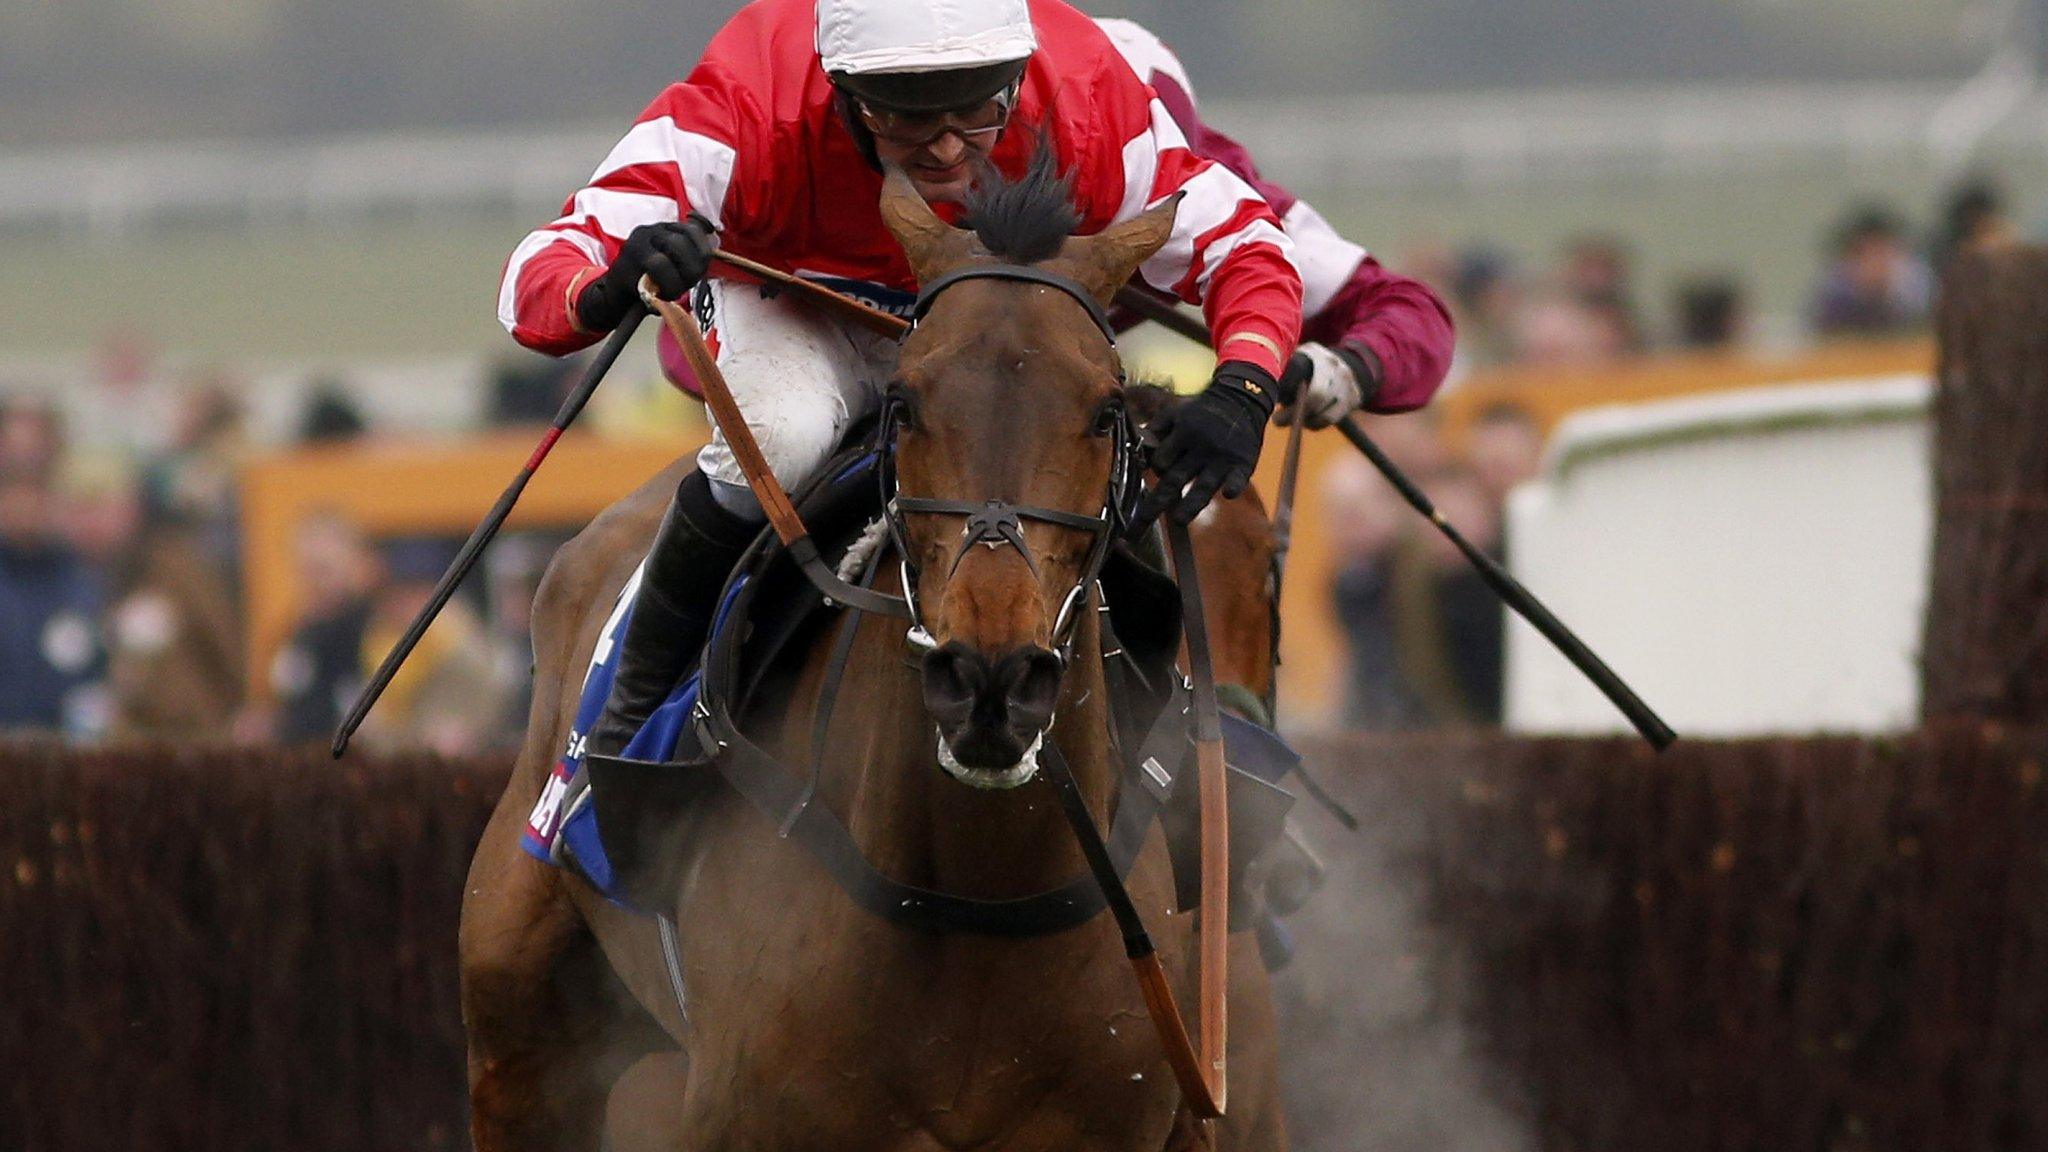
[(1016, 694), (1032, 687), (954, 679)]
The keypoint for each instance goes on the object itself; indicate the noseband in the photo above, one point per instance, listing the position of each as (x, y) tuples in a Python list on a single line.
[(997, 523)]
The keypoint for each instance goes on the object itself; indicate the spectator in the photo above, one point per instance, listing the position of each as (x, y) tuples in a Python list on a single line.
[(1488, 299), (529, 389), (1875, 286), (1558, 330), (330, 416), (1599, 277), (1712, 316), (194, 482), (514, 568), (31, 438), (451, 696), (50, 600), (173, 640), (1422, 627), (315, 676), (1447, 621), (1505, 448), (1364, 526), (128, 406), (1975, 219)]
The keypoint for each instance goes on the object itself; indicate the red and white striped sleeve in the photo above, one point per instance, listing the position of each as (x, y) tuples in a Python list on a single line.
[(1228, 253), (677, 159)]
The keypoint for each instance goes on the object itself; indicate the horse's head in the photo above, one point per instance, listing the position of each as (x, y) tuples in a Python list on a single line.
[(1012, 452)]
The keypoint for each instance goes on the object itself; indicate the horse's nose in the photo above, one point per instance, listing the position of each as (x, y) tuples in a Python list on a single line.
[(990, 711)]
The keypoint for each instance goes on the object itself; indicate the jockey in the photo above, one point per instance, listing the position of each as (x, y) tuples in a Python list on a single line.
[(1372, 340), (775, 146)]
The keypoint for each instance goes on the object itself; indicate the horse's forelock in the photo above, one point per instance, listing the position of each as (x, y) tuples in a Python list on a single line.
[(1024, 221)]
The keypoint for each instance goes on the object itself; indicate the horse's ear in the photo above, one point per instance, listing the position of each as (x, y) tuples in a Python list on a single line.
[(1106, 262), (933, 246)]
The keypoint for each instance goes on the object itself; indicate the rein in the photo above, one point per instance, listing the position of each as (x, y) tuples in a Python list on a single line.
[(1202, 1076)]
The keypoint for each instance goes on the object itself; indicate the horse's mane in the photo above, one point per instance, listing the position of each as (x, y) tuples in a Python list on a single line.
[(1150, 399), (1024, 220)]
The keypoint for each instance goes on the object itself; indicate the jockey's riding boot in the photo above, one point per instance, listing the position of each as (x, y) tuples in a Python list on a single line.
[(692, 558)]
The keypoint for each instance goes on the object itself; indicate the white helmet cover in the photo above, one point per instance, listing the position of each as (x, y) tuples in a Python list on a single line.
[(864, 37)]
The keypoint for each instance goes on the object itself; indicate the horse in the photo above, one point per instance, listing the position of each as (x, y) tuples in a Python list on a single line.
[(810, 1022)]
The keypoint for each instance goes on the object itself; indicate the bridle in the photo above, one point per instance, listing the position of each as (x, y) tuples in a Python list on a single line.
[(997, 523)]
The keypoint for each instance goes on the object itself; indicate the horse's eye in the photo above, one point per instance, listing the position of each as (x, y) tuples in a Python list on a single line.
[(901, 404), (1108, 416)]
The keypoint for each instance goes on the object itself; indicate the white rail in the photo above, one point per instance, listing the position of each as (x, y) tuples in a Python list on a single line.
[(1478, 140)]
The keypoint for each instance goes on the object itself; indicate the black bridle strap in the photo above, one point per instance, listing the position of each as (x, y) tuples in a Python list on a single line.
[(971, 509), (995, 523), (1024, 274)]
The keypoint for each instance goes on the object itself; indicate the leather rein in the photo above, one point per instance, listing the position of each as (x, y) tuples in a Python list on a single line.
[(777, 793)]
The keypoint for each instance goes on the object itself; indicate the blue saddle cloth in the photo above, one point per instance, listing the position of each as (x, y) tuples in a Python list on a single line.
[(561, 822)]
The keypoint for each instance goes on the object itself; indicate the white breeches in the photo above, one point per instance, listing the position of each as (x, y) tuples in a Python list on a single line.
[(800, 379)]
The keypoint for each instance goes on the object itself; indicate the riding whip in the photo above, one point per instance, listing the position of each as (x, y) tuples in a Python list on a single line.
[(1517, 597), (486, 531)]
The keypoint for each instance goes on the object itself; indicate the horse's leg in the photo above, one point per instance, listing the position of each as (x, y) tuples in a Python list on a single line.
[(646, 1113), (549, 1027)]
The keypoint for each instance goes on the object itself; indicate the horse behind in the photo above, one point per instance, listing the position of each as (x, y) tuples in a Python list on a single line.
[(812, 1023)]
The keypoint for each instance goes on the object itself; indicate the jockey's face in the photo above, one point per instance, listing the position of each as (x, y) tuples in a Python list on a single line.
[(939, 152)]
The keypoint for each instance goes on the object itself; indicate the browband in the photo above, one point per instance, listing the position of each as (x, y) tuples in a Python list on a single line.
[(1054, 280)]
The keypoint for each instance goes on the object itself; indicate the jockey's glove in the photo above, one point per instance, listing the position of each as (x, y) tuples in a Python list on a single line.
[(1326, 384), (1209, 444), (675, 256)]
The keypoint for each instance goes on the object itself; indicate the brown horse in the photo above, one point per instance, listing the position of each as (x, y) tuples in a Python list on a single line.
[(811, 1023)]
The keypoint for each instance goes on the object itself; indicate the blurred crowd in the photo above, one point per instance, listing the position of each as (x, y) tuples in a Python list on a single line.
[(122, 613), (1877, 279), (1425, 633)]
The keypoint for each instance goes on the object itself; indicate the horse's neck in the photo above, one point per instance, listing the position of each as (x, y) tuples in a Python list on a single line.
[(923, 827)]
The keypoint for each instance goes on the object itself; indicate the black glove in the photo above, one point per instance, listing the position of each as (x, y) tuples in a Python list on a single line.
[(1209, 444), (675, 256)]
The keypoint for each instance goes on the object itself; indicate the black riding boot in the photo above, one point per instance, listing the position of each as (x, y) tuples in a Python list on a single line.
[(692, 557)]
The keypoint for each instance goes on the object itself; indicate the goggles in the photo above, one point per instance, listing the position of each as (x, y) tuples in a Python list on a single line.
[(978, 125)]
